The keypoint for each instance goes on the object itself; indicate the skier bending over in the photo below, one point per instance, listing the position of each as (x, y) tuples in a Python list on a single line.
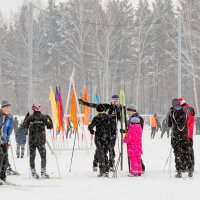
[(113, 109), (36, 123), (104, 131)]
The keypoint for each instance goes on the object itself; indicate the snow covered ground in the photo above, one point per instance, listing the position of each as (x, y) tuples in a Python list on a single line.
[(82, 183)]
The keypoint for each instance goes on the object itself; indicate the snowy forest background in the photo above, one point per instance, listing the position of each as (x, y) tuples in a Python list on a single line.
[(117, 46)]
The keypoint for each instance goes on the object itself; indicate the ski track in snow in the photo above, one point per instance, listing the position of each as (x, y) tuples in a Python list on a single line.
[(82, 183)]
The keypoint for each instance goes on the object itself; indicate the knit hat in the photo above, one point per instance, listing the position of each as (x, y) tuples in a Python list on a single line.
[(135, 120), (115, 97), (36, 107), (131, 108), (100, 108), (176, 103), (182, 101), (5, 103)]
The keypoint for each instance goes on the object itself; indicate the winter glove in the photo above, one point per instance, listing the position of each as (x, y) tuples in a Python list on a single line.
[(49, 123), (81, 102), (122, 131), (92, 132)]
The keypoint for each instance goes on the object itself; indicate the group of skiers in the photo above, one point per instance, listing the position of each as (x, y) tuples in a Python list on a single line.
[(156, 125), (180, 119), (106, 133), (35, 124)]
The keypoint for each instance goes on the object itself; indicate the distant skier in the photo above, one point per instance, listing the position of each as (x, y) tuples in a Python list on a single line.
[(154, 126), (36, 123), (104, 131), (6, 125), (21, 141), (165, 128), (113, 109), (134, 144), (178, 120), (15, 125), (191, 120), (197, 123)]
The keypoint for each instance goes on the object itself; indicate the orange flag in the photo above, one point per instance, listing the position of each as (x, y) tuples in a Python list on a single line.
[(74, 118), (86, 109)]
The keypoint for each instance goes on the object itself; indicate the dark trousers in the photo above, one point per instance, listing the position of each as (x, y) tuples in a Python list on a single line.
[(192, 153), (183, 156), (42, 152), (22, 148), (111, 150), (153, 132), (163, 132), (102, 151), (3, 161)]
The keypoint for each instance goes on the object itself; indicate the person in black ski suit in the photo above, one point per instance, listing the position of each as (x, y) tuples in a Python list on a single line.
[(165, 128), (178, 120), (104, 131), (113, 110), (135, 114), (36, 123), (21, 141)]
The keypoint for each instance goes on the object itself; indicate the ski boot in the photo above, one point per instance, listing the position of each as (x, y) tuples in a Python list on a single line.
[(101, 174), (112, 169), (94, 169), (179, 174), (44, 175), (106, 174), (190, 173), (10, 171), (2, 182), (34, 174)]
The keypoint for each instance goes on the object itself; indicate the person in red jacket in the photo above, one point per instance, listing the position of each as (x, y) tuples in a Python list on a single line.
[(191, 120)]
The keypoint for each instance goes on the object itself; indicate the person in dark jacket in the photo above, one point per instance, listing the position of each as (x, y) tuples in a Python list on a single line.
[(104, 131), (36, 124), (113, 109), (165, 128), (15, 125), (178, 120), (197, 123), (133, 113), (6, 125), (21, 141)]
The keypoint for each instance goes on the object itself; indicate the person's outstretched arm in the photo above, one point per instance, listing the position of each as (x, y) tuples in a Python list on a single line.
[(91, 105)]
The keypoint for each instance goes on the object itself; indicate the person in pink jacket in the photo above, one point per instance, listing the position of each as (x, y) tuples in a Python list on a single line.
[(134, 143)]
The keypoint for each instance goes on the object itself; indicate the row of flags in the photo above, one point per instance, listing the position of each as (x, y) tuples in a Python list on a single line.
[(58, 113)]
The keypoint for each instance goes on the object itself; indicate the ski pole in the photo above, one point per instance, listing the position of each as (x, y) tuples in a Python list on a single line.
[(13, 157), (55, 156), (72, 153), (167, 159)]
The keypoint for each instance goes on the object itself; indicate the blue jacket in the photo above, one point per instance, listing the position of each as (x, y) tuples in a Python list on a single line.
[(6, 126), (21, 136)]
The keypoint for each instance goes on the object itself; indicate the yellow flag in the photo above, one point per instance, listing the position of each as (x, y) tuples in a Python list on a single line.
[(53, 107)]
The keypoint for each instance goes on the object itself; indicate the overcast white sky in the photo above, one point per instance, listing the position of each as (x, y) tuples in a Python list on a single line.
[(9, 7)]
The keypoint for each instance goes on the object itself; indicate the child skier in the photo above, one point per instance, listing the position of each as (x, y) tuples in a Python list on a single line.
[(21, 141), (134, 143)]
